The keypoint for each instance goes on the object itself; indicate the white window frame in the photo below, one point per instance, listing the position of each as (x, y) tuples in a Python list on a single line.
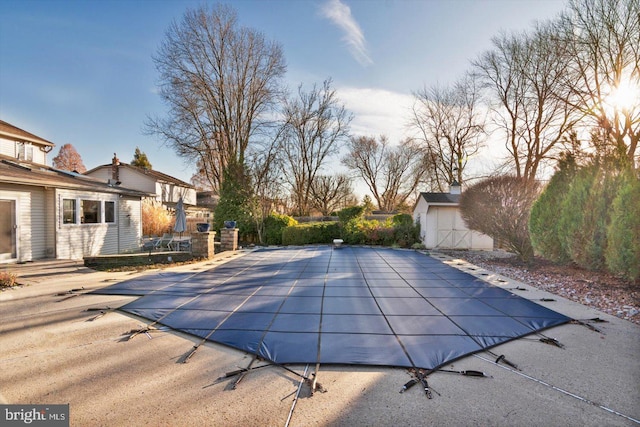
[(25, 151), (104, 212), (77, 220)]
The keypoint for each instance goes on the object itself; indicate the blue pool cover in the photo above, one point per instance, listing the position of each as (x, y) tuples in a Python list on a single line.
[(353, 305)]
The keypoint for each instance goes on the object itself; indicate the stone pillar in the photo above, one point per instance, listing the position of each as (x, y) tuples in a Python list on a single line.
[(228, 239), (202, 244)]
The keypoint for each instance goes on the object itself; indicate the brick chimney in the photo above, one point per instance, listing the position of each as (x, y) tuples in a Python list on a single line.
[(115, 168), (454, 188)]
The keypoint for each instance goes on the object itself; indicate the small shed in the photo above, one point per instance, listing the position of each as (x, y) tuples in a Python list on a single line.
[(442, 226)]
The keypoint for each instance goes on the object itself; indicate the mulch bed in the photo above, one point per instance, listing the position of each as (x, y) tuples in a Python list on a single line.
[(595, 289)]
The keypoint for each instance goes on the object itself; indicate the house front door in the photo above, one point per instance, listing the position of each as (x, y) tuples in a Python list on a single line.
[(8, 227)]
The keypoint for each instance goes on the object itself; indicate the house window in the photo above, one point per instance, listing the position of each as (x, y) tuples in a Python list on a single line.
[(68, 211), (110, 212), (89, 211), (25, 151)]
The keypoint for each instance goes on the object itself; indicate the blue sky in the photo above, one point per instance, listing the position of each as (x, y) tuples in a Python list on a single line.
[(80, 71)]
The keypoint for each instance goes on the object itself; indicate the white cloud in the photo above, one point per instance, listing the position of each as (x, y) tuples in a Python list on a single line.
[(377, 112), (340, 14)]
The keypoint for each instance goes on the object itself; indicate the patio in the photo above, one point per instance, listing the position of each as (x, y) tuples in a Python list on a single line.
[(75, 349)]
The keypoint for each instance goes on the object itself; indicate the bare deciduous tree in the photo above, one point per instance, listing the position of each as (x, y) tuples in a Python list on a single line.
[(451, 128), (69, 159), (268, 184), (392, 173), (315, 125), (500, 207), (601, 39), (523, 74), (329, 193), (200, 178), (219, 81)]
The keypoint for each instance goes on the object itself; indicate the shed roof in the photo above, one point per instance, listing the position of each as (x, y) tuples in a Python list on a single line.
[(441, 198)]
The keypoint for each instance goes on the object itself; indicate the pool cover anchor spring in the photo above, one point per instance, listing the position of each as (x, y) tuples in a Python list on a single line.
[(190, 353), (504, 360), (243, 371), (102, 311), (146, 330), (551, 341), (421, 377), (71, 293), (587, 323)]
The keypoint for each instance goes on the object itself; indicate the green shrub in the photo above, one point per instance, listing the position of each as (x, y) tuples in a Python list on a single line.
[(402, 219), (370, 232), (622, 254), (406, 235), (236, 203), (353, 232), (585, 214), (572, 213), (310, 233), (399, 231), (347, 214), (354, 229), (543, 224), (273, 226)]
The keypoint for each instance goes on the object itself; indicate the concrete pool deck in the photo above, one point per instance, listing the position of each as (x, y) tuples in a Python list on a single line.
[(53, 350)]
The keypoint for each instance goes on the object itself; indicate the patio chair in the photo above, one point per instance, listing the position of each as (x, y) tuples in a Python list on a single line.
[(165, 241), (181, 244), (150, 243)]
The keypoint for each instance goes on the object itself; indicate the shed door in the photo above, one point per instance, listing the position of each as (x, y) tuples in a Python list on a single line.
[(452, 233), (8, 228)]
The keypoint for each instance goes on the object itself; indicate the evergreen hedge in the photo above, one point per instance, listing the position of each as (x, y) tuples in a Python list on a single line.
[(623, 234), (571, 218), (590, 215), (544, 227), (585, 214), (235, 205), (274, 224), (397, 231), (310, 233)]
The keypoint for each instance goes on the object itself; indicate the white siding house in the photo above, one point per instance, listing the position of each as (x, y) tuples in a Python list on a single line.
[(166, 189), (442, 226), (48, 213)]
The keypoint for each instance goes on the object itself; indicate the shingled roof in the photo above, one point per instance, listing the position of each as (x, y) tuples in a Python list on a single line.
[(8, 130), (158, 176), (28, 173), (441, 198)]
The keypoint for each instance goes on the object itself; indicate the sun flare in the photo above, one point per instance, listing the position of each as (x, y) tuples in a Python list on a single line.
[(624, 97)]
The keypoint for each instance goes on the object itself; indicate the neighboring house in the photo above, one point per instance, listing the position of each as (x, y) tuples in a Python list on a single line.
[(49, 213), (167, 189), (442, 227), (207, 202)]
